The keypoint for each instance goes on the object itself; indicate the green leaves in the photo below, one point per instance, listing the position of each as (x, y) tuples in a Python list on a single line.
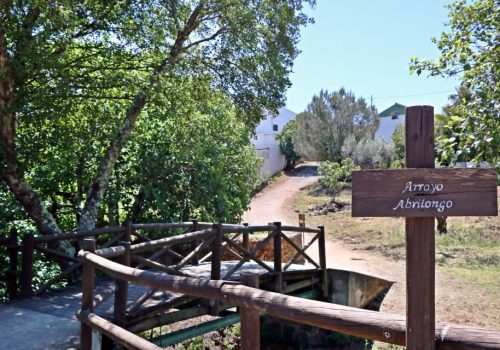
[(337, 175), (329, 119), (285, 138), (470, 49), (203, 72)]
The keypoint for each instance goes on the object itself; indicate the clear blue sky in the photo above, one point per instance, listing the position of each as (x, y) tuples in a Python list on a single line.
[(365, 46)]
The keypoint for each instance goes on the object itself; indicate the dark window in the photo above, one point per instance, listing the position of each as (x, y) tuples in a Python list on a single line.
[(275, 127), (394, 116)]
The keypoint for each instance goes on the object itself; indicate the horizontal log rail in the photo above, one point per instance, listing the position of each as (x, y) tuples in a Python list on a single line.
[(385, 327), (22, 281), (125, 338)]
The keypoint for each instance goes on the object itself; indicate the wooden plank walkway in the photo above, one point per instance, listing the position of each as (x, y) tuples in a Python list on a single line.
[(49, 321)]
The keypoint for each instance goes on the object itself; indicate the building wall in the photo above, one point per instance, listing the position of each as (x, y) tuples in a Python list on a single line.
[(267, 146), (387, 127)]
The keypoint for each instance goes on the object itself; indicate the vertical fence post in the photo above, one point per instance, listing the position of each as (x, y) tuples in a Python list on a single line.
[(302, 223), (246, 238), (121, 290), (87, 295), (249, 319), (194, 244), (128, 231), (28, 248), (420, 244), (216, 262), (277, 258), (12, 273), (302, 220), (322, 260)]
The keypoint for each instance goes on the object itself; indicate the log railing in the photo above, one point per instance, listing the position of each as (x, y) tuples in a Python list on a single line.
[(19, 275), (11, 275), (385, 327), (201, 236), (211, 240)]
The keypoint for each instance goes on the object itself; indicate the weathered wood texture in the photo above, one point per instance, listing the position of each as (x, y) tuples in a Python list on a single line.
[(250, 319), (12, 273), (381, 326), (87, 295), (123, 337), (27, 250), (420, 246), (424, 192)]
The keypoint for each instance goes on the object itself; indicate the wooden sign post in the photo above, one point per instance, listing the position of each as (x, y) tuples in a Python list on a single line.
[(421, 193)]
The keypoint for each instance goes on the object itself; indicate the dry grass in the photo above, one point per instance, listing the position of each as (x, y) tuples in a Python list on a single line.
[(470, 251)]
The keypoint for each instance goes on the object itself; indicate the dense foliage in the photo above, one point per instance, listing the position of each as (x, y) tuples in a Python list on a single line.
[(470, 49), (285, 138), (337, 175), (399, 146), (136, 109), (329, 120), (368, 153)]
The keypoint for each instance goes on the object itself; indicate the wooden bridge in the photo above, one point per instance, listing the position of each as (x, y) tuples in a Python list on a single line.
[(135, 279)]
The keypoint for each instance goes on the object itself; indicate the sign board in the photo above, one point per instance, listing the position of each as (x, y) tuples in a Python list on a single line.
[(425, 192)]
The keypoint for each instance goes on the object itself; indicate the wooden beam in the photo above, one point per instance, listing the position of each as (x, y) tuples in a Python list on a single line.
[(12, 273), (121, 288), (420, 245), (250, 319), (87, 295), (389, 328), (122, 336), (27, 250), (424, 192)]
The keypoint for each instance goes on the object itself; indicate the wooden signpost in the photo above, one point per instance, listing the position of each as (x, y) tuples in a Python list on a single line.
[(421, 193)]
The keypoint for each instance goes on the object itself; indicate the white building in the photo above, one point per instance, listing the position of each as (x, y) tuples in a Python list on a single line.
[(389, 119), (265, 142)]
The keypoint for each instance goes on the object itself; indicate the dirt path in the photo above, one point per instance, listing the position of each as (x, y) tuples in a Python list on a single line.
[(275, 203), (455, 301)]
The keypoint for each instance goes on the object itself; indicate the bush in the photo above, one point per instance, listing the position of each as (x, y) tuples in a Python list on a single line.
[(337, 175), (367, 153)]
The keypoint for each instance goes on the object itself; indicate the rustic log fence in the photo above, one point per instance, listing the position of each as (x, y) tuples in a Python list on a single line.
[(18, 277), (389, 328)]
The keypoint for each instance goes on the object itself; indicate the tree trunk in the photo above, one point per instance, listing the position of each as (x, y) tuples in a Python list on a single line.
[(10, 172), (442, 224), (108, 161)]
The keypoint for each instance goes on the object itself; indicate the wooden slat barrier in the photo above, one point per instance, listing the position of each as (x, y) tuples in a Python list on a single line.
[(125, 338), (389, 328), (202, 233)]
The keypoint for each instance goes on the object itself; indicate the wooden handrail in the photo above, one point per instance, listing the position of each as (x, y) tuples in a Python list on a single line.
[(128, 339), (162, 225), (79, 234), (159, 243), (185, 285), (389, 328)]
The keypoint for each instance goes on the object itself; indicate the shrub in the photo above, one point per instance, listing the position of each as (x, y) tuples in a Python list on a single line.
[(337, 175)]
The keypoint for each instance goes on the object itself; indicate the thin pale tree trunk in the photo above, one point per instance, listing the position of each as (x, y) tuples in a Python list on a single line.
[(99, 185), (10, 171)]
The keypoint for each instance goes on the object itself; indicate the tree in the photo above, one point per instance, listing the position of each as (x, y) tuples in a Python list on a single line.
[(398, 142), (329, 119), (104, 65), (471, 49), (337, 175), (368, 153), (285, 138)]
